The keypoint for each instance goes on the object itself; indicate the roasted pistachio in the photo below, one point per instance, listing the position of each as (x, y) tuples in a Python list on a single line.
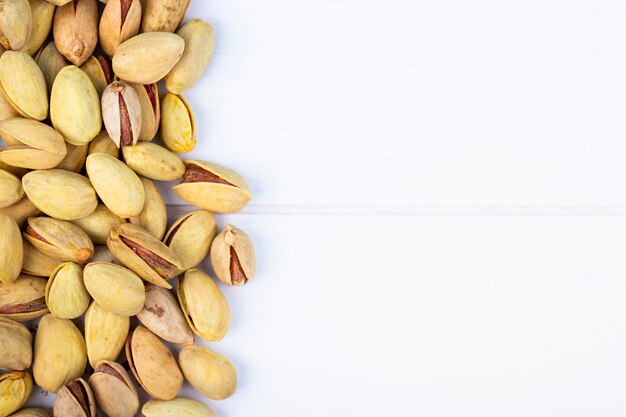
[(162, 315), (23, 85), (178, 126), (120, 22), (21, 211), (150, 110), (36, 263), (23, 299), (103, 144), (209, 372), (98, 224), (66, 295), (15, 345), (75, 30), (32, 144), (153, 217), (163, 15), (121, 113), (75, 399), (93, 68), (74, 160), (42, 14), (180, 407), (115, 288), (16, 23), (105, 333), (232, 256), (50, 62), (114, 390), (153, 161), (59, 239), (11, 250), (11, 190), (190, 237), (15, 390)]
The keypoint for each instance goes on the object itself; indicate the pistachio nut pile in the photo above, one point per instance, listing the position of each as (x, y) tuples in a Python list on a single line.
[(84, 238)]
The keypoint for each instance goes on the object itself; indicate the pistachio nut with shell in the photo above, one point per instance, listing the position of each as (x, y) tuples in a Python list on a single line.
[(163, 15), (15, 345), (16, 23), (15, 390), (119, 188), (59, 239), (121, 113), (103, 144), (98, 224), (179, 407), (209, 372), (120, 21), (42, 14), (178, 126), (213, 187), (66, 295), (23, 85), (114, 390), (204, 305), (23, 299), (153, 364), (50, 62), (148, 57), (105, 333), (153, 161), (232, 256), (60, 353), (145, 255), (11, 250), (6, 109), (150, 110), (32, 412), (162, 315), (190, 237), (17, 171), (11, 190), (32, 144), (199, 44), (74, 160), (75, 106), (103, 254), (153, 217), (36, 263), (21, 211), (75, 399), (93, 68), (105, 63), (115, 288), (75, 30)]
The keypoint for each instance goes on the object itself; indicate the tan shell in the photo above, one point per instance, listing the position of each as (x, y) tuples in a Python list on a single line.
[(23, 85), (93, 68), (75, 399), (16, 23), (199, 44), (114, 390), (103, 144), (32, 144), (146, 58), (18, 172), (6, 109), (208, 372), (121, 113), (21, 211), (153, 364), (32, 412), (74, 159), (66, 295), (115, 288), (163, 316), (42, 14), (59, 239), (163, 15), (105, 333), (11, 190), (153, 161), (153, 217), (75, 30), (190, 237), (60, 353), (50, 62), (232, 256), (15, 345), (11, 250), (15, 390), (23, 299), (178, 126), (36, 263), (150, 110), (98, 224), (180, 407), (117, 27), (204, 305)]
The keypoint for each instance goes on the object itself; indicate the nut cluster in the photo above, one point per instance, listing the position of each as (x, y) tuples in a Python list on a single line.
[(84, 237)]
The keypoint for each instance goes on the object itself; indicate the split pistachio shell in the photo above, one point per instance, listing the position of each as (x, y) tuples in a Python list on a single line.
[(15, 390), (115, 288), (60, 353), (32, 412), (204, 305), (153, 217), (150, 110), (213, 187), (208, 372), (23, 85), (16, 23), (179, 407), (75, 399), (32, 144), (120, 22), (103, 144), (11, 250), (66, 295), (178, 126), (93, 68), (23, 299), (232, 256), (36, 263), (114, 390), (59, 239), (21, 211), (75, 106), (121, 113), (75, 30), (15, 345), (162, 315), (146, 58), (103, 254), (11, 190), (163, 15), (42, 14), (75, 158), (105, 333), (190, 237), (199, 44), (98, 224), (153, 161), (153, 364), (50, 62)]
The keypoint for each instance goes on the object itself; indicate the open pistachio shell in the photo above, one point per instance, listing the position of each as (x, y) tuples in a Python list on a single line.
[(59, 239), (162, 315), (163, 15), (42, 14), (153, 217), (75, 399), (115, 288), (74, 160), (66, 295), (15, 345), (121, 113), (150, 110), (153, 161), (32, 412), (15, 390), (180, 407), (11, 250), (23, 299), (209, 372), (16, 23), (93, 68), (50, 62), (190, 237), (36, 263), (103, 144), (114, 390), (32, 144), (11, 190), (120, 22), (75, 30), (23, 85), (105, 333), (21, 211), (178, 126), (232, 256), (98, 224)]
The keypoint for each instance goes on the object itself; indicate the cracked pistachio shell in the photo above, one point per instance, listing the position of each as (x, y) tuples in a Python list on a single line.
[(199, 44), (11, 250), (15, 390), (75, 158), (11, 190), (36, 263), (204, 305), (23, 85), (163, 15), (23, 299), (50, 62), (59, 239), (75, 30), (114, 390), (232, 256), (98, 224), (93, 68), (121, 113), (66, 295), (208, 372), (178, 126), (15, 345), (42, 14), (115, 288), (103, 144), (162, 315), (153, 217), (75, 399), (120, 22), (150, 110), (153, 161), (75, 106), (190, 237), (153, 364), (213, 187), (105, 333), (179, 407), (16, 23), (148, 57), (32, 144), (60, 353), (32, 412), (21, 211)]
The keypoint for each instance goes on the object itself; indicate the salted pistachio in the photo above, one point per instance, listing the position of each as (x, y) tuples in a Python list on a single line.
[(190, 237), (32, 412), (199, 44), (75, 158), (204, 305), (103, 254), (75, 30), (23, 299), (213, 187), (16, 22), (93, 68), (60, 353), (153, 217), (153, 364), (121, 113), (75, 399), (163, 15), (6, 109), (150, 110), (115, 288), (15, 345), (15, 390), (114, 390), (105, 333), (208, 372), (153, 161), (66, 295), (59, 239), (103, 144), (178, 126), (75, 106), (36, 263), (32, 144), (11, 250), (147, 256), (148, 57), (232, 256), (42, 14), (23, 85), (98, 224), (50, 62), (119, 188), (180, 407), (162, 315), (21, 211), (11, 190), (119, 22)]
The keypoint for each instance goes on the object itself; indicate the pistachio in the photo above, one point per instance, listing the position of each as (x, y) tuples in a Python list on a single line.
[(60, 354), (153, 217), (120, 22), (23, 299), (17, 171), (180, 407), (103, 254), (11, 250), (66, 295), (42, 14), (208, 372), (15, 389), (121, 113), (32, 412), (23, 85), (75, 399), (105, 63), (190, 237), (59, 239), (153, 364), (36, 263), (16, 23), (98, 224), (15, 345), (105, 333), (213, 187), (21, 211), (162, 315), (32, 144), (93, 68), (115, 392), (11, 190), (232, 256), (153, 161), (150, 110), (75, 158), (199, 43), (178, 126), (103, 144), (163, 15), (6, 109), (204, 305), (115, 288), (146, 58), (50, 62), (75, 30)]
